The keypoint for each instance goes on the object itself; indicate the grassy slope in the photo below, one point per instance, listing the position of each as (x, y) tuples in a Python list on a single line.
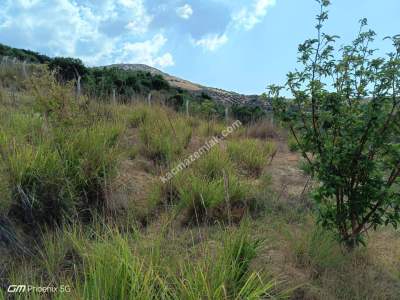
[(155, 241)]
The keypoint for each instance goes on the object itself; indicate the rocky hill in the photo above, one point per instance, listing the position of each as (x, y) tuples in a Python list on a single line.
[(226, 97)]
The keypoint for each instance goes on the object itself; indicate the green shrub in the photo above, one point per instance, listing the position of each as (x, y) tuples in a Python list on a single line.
[(246, 113), (250, 154), (292, 143), (349, 133)]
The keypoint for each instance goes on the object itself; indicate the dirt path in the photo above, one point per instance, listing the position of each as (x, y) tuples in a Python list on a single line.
[(287, 178)]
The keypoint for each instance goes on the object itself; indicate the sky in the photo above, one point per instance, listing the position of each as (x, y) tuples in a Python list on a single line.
[(237, 45)]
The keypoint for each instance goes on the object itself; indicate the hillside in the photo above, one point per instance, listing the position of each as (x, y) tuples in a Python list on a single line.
[(225, 97), (68, 65)]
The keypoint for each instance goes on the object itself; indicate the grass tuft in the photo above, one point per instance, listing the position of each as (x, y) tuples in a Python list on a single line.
[(251, 155)]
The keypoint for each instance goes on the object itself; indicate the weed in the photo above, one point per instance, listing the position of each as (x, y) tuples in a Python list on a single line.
[(252, 155)]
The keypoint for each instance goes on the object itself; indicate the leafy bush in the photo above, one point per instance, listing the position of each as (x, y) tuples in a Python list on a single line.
[(206, 108), (101, 82), (292, 143), (247, 114), (347, 128), (67, 68), (251, 154), (23, 55)]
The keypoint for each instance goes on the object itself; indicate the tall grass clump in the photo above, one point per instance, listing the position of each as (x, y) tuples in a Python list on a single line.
[(227, 273), (90, 156), (53, 179), (54, 162), (210, 191), (210, 128), (115, 265), (141, 114), (214, 200), (213, 164), (113, 271), (263, 130), (316, 250), (39, 188), (251, 155), (164, 136)]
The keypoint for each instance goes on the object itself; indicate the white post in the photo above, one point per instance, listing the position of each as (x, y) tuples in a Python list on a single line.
[(149, 99), (24, 69), (187, 107), (114, 100), (226, 113), (78, 86)]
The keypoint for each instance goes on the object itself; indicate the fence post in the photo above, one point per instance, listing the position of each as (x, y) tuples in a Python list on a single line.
[(78, 86), (24, 69), (114, 100), (187, 107), (149, 99), (5, 60)]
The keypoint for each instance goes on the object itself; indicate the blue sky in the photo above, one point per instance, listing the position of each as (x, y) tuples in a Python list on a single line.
[(238, 45)]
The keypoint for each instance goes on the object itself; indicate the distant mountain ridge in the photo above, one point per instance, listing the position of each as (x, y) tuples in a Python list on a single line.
[(226, 97), (220, 95)]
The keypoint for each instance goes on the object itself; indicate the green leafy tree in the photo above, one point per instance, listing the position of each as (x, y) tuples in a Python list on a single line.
[(246, 113), (344, 115), (68, 68)]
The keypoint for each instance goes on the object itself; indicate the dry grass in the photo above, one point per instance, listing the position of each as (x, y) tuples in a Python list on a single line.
[(263, 130)]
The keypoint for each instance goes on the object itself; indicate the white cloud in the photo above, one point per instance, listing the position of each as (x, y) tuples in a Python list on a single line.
[(140, 19), (27, 3), (100, 33), (211, 42), (243, 19), (185, 11), (247, 18), (147, 52)]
